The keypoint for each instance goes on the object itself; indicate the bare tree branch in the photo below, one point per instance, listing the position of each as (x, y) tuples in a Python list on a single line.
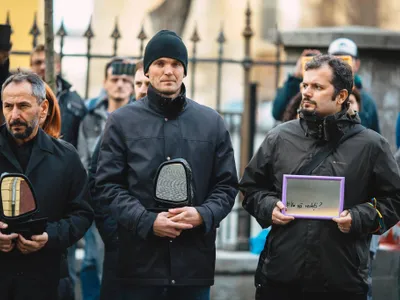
[(49, 43), (171, 14)]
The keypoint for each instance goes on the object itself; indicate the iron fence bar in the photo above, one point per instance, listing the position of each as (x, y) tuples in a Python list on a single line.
[(61, 33), (198, 59), (142, 37), (278, 56), (244, 218), (221, 40), (115, 35), (8, 22), (34, 32), (195, 39), (89, 35)]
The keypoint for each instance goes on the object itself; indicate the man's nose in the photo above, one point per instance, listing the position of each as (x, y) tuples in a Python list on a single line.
[(307, 92), (143, 89), (168, 70), (15, 113)]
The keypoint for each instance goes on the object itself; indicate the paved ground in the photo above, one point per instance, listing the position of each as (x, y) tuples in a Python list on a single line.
[(235, 280), (228, 287)]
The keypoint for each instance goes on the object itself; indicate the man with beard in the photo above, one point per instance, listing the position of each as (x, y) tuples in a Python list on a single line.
[(118, 86), (5, 47), (30, 268), (306, 258), (165, 252)]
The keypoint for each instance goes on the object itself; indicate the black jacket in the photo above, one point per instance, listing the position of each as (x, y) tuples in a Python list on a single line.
[(60, 184), (314, 253), (105, 223), (137, 139), (72, 109)]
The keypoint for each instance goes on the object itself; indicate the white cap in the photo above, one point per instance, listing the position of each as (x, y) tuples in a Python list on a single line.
[(343, 46)]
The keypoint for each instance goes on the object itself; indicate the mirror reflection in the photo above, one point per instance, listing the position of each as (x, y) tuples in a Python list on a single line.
[(171, 183), (16, 196)]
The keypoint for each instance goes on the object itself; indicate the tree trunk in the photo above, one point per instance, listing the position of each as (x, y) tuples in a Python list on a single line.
[(49, 44)]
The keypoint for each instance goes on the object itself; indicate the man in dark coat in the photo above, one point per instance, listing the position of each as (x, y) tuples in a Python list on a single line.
[(168, 254), (30, 269), (302, 257)]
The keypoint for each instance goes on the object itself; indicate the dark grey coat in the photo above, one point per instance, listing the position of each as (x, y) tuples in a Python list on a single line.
[(137, 139)]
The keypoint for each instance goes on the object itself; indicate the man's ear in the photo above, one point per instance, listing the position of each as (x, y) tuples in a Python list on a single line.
[(342, 96), (44, 108)]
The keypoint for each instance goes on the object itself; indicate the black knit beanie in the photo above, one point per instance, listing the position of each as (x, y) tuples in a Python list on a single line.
[(165, 43)]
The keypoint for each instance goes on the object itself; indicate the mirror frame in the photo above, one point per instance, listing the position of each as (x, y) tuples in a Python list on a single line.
[(188, 173), (25, 216)]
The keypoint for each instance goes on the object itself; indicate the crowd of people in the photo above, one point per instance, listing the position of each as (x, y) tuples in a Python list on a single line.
[(93, 165)]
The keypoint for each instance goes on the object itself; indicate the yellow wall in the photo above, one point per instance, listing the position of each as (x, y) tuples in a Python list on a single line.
[(21, 19)]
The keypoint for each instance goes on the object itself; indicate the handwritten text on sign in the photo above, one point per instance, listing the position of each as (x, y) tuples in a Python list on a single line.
[(311, 197)]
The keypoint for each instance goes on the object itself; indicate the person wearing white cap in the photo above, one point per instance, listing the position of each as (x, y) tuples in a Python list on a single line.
[(368, 113), (340, 46)]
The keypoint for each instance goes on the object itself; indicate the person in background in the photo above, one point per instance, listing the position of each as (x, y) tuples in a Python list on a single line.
[(73, 110), (141, 82), (51, 124), (338, 47), (118, 86), (105, 223)]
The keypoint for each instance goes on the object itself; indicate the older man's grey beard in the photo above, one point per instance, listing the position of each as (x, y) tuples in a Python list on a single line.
[(28, 131)]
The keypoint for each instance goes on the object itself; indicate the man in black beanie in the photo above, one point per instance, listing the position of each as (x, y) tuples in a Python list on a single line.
[(5, 47), (166, 251)]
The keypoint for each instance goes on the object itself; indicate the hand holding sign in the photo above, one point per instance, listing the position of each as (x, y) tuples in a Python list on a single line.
[(344, 221), (278, 217)]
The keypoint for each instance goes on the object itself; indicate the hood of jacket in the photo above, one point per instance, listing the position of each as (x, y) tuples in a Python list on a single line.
[(329, 128), (168, 107)]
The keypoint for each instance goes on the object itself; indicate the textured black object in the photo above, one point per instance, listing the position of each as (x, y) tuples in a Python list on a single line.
[(173, 183)]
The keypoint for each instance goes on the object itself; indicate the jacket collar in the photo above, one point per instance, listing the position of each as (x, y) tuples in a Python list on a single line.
[(42, 147), (168, 107), (330, 128)]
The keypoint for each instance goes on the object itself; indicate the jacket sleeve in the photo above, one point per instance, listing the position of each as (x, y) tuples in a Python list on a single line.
[(105, 223), (224, 189), (283, 96), (112, 184), (260, 196), (83, 148), (78, 215), (385, 188)]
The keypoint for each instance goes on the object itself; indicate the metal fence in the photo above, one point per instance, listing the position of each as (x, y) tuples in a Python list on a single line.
[(236, 228)]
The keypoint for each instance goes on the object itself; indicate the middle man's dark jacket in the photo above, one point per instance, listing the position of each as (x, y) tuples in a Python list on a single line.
[(315, 253), (137, 139), (61, 188)]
